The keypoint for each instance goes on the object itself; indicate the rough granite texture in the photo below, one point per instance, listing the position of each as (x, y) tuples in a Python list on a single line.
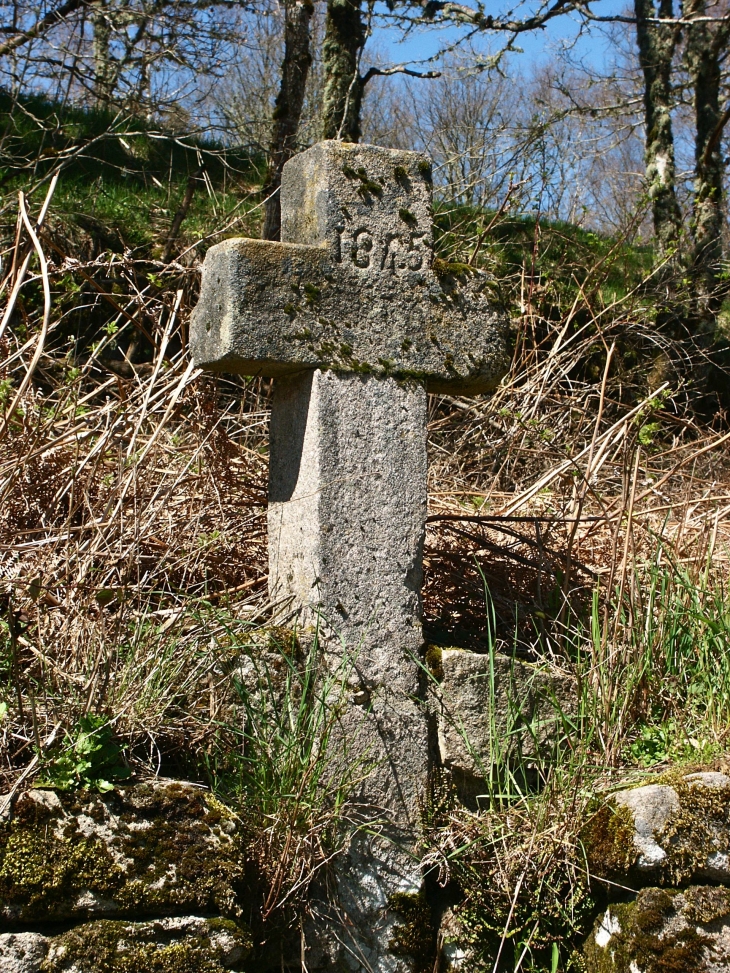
[(498, 706), (150, 849), (347, 508), (22, 952), (355, 321), (666, 833), (663, 931), (180, 944), (354, 286), (347, 513)]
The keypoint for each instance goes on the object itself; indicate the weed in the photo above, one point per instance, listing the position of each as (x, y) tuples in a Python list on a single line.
[(91, 759)]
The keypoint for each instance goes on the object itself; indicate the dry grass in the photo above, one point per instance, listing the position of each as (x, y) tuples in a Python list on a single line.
[(133, 502)]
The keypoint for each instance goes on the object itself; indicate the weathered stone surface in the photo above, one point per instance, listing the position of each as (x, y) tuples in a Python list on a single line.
[(351, 316), (22, 952), (346, 527), (354, 287), (671, 832), (651, 807), (498, 706), (150, 849), (663, 930), (346, 519), (187, 944)]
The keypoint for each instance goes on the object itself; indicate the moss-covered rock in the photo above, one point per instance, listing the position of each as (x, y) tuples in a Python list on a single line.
[(150, 849), (668, 833), (173, 945), (663, 931)]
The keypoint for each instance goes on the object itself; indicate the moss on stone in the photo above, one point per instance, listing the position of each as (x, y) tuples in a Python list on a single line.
[(162, 849), (706, 903), (109, 946), (608, 839), (445, 268), (415, 936), (700, 829), (424, 167), (46, 864), (647, 935), (434, 663), (401, 176)]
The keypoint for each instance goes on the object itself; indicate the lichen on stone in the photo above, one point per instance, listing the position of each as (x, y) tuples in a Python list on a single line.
[(141, 850), (191, 945)]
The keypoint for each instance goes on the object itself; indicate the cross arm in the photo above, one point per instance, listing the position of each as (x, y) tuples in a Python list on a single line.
[(271, 308)]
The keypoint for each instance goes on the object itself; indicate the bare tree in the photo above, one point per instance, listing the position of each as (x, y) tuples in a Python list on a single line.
[(656, 44), (288, 108), (344, 39), (705, 48)]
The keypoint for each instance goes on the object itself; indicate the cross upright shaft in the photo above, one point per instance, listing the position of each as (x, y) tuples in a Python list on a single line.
[(350, 318)]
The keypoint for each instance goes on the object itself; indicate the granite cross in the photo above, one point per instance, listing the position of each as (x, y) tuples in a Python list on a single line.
[(356, 322)]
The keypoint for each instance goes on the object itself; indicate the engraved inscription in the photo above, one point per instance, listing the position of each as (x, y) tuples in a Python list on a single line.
[(391, 253), (362, 245)]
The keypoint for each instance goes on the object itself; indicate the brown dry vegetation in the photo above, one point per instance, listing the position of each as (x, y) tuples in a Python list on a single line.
[(587, 501), (132, 512)]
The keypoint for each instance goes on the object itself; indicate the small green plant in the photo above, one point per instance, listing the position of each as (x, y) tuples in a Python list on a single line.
[(91, 759), (654, 744), (648, 433)]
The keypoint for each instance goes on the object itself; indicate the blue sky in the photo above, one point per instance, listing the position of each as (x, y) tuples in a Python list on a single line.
[(592, 46)]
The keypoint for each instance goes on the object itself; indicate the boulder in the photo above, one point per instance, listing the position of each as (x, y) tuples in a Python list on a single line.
[(146, 850), (663, 930), (665, 833), (491, 708)]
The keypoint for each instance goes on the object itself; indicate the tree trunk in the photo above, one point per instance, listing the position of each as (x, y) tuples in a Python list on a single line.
[(103, 71), (704, 45), (343, 84), (288, 109), (656, 45)]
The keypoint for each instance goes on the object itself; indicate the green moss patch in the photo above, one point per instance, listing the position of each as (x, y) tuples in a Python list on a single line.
[(655, 934), (608, 839), (142, 850), (187, 946), (699, 830)]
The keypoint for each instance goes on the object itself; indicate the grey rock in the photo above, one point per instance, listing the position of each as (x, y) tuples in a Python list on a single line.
[(497, 708), (681, 831), (188, 942), (353, 287), (22, 952), (77, 856), (663, 929), (346, 518), (652, 807), (347, 508)]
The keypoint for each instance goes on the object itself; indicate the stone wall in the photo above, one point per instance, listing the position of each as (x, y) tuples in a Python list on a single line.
[(148, 878)]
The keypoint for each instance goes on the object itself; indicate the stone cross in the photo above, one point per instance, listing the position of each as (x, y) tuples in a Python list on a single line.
[(356, 322)]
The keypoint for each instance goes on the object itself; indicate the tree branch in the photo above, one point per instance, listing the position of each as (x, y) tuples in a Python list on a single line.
[(397, 69), (52, 18)]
